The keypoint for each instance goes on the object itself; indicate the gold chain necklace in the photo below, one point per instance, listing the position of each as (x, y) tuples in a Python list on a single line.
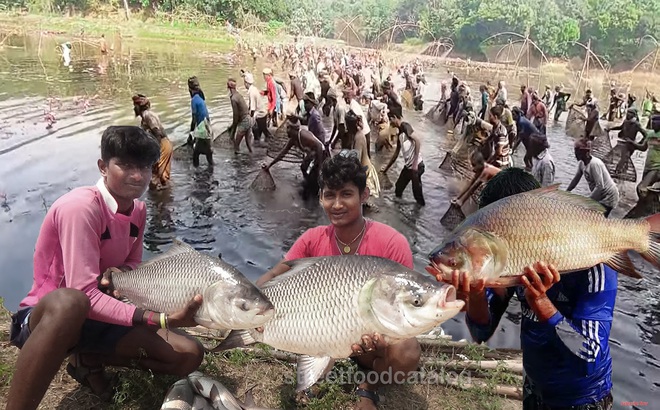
[(347, 246)]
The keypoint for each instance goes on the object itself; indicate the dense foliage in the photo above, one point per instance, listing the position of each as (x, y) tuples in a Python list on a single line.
[(614, 27)]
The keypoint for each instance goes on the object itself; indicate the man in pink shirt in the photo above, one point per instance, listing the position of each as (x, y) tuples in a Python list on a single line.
[(88, 232), (343, 192)]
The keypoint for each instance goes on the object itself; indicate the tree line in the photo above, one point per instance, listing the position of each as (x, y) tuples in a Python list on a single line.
[(619, 30)]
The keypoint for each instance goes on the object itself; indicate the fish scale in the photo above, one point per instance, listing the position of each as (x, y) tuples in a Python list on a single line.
[(168, 282), (560, 228), (314, 299)]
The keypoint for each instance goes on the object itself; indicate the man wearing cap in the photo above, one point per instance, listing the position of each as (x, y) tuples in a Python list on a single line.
[(271, 93), (603, 189), (628, 131), (257, 112), (241, 122)]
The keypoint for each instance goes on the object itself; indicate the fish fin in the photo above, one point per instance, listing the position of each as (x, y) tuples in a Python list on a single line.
[(296, 266), (178, 248), (652, 256), (310, 369), (236, 338), (621, 263), (552, 191)]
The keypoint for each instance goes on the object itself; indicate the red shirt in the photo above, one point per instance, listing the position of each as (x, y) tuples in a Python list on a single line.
[(378, 240), (270, 92)]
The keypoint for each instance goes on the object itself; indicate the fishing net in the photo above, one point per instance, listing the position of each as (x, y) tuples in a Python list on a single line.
[(263, 182), (649, 206), (601, 146), (453, 217), (279, 141), (437, 114), (220, 140)]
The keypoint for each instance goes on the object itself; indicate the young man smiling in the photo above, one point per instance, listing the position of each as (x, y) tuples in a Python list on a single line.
[(88, 231), (343, 183)]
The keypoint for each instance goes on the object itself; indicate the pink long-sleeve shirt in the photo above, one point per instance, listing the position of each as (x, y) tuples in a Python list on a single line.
[(82, 236)]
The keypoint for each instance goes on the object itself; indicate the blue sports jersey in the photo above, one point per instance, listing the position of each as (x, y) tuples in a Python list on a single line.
[(525, 127), (199, 111), (568, 357)]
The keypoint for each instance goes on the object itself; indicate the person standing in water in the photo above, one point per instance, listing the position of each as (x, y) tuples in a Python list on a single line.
[(151, 123), (483, 172), (603, 189), (314, 152), (257, 111), (560, 100), (200, 126), (241, 118), (356, 134), (413, 168), (628, 131)]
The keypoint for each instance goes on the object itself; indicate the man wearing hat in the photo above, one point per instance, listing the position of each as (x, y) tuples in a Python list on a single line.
[(627, 144), (271, 93), (603, 189), (257, 111)]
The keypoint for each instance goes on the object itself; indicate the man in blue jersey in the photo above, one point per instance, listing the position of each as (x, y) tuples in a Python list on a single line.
[(200, 126), (565, 324), (525, 130)]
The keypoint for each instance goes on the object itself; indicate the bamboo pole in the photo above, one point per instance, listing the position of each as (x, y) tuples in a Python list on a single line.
[(507, 391), (512, 366)]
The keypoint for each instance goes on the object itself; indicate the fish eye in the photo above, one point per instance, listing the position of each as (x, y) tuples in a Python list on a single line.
[(417, 302)]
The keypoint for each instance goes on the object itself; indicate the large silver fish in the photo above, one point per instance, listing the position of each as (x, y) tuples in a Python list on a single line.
[(324, 305), (169, 281)]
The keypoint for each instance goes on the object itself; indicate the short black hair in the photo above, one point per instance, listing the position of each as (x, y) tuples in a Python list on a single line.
[(510, 181), (497, 111), (129, 144), (341, 169)]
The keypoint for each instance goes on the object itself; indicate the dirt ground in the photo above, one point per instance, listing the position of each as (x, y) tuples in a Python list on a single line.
[(268, 377)]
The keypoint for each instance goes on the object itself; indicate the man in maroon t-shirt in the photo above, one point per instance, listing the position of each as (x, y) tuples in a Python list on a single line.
[(343, 191)]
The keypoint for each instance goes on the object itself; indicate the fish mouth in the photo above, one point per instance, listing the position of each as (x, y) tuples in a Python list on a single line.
[(449, 302)]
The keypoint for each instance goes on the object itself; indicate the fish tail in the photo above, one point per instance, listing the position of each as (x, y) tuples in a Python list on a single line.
[(652, 256)]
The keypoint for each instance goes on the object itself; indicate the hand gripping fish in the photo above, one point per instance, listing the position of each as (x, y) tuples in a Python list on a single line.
[(325, 305), (556, 227), (169, 281)]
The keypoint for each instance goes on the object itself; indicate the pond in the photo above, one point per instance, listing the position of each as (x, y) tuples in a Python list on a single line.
[(213, 208)]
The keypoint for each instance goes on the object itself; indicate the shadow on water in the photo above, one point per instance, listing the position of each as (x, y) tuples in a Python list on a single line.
[(212, 207)]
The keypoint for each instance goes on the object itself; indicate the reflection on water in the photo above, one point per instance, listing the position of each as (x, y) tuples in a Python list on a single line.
[(212, 207)]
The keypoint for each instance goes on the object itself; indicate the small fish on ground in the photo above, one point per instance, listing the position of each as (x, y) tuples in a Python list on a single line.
[(557, 227), (200, 392), (325, 305), (169, 281)]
